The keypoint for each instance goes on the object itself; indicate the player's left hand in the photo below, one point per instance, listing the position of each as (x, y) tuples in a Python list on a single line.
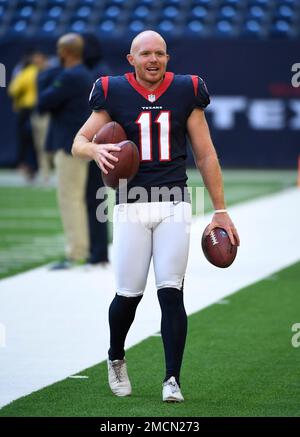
[(222, 220)]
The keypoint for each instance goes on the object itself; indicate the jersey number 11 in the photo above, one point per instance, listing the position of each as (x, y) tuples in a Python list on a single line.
[(163, 120)]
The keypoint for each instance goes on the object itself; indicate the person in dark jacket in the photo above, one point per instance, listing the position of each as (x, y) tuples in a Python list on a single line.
[(66, 98), (98, 231)]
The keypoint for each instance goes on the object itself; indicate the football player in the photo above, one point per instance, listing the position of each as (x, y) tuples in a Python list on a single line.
[(157, 109)]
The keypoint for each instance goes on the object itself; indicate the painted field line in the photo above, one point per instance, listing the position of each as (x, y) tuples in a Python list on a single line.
[(35, 213), (79, 377)]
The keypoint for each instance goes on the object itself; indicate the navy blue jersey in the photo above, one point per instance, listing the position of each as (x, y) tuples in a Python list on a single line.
[(155, 121)]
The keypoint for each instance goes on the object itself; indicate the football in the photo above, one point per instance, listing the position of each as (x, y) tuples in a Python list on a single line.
[(129, 158), (126, 167), (217, 248), (111, 132)]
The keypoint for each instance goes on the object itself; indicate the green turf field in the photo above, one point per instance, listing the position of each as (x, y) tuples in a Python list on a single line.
[(31, 230), (239, 361)]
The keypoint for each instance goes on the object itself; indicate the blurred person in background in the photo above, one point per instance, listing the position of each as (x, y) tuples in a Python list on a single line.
[(23, 91), (98, 232), (65, 97), (40, 122)]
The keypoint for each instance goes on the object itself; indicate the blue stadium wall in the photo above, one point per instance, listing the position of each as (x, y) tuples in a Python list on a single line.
[(254, 116)]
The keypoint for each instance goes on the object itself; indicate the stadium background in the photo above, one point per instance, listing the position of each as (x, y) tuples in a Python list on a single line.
[(245, 51)]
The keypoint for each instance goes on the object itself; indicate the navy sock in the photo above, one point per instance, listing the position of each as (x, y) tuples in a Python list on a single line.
[(173, 329), (121, 315)]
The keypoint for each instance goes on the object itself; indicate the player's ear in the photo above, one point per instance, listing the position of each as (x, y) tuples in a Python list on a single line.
[(168, 57), (130, 59)]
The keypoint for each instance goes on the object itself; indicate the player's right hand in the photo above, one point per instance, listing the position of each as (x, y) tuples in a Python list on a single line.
[(102, 155)]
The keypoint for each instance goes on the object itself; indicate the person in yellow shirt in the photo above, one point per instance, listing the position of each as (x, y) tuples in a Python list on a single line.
[(22, 90)]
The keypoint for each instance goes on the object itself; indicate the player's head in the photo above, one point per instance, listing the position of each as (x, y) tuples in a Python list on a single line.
[(39, 59), (70, 46), (148, 55)]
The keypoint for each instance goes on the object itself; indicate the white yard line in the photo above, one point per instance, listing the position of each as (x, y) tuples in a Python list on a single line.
[(35, 213), (28, 224), (55, 323), (15, 178)]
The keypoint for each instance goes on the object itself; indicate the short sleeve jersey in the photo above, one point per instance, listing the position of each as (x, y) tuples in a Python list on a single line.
[(155, 121)]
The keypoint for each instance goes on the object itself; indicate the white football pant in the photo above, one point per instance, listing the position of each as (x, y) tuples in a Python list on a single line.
[(143, 230)]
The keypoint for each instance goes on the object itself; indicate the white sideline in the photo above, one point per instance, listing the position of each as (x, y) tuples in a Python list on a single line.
[(56, 322)]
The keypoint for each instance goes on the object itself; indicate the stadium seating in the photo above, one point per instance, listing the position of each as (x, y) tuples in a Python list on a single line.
[(201, 18)]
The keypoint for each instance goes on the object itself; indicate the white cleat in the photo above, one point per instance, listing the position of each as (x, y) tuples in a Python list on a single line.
[(118, 377), (171, 391)]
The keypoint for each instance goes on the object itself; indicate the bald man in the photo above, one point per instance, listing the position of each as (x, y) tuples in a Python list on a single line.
[(152, 219), (66, 98)]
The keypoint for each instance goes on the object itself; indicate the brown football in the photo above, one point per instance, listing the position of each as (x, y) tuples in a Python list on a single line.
[(129, 159), (217, 248), (126, 167), (111, 132)]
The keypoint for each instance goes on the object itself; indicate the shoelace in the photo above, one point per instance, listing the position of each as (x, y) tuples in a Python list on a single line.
[(174, 386), (119, 370)]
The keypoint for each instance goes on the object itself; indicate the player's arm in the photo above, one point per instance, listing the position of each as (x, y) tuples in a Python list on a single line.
[(208, 164), (83, 145)]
